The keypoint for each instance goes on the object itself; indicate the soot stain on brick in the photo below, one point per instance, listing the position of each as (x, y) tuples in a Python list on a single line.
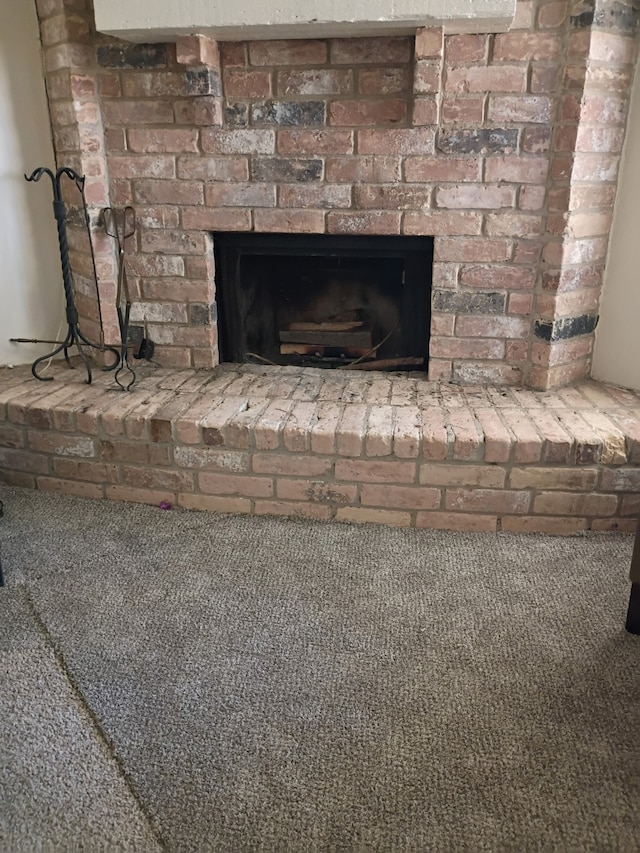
[(564, 329), (283, 169), (203, 81), (616, 15), (289, 113), (582, 12), (133, 56), (482, 141), (236, 114), (469, 303)]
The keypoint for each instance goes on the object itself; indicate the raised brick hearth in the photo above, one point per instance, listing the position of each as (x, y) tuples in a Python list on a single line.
[(504, 147), (331, 445)]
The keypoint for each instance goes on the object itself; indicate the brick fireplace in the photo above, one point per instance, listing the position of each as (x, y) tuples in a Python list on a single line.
[(503, 148)]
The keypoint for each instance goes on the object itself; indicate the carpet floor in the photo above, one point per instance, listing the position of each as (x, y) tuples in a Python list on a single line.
[(184, 681)]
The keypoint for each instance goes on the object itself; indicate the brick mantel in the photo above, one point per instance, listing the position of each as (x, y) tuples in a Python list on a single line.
[(503, 146)]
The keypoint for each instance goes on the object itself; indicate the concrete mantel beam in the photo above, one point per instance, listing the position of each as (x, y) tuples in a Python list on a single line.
[(227, 20)]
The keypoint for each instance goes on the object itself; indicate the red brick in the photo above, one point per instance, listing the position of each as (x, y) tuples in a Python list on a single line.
[(168, 192), (552, 15), (23, 460), (365, 113), (441, 222), (375, 222), (211, 219), (213, 168), (424, 112), (524, 47), (370, 51), (301, 196), (465, 348), (197, 50), (467, 47), (315, 142), (362, 169), (293, 52), (394, 197), (383, 81), (477, 196), (69, 487), (405, 141), (516, 169), (233, 54), (471, 249), (456, 521), (495, 78), (426, 79), (238, 141), (532, 198), (498, 277), (464, 110), (330, 81), (428, 43), (540, 524), (247, 84), (240, 195), (519, 109), (507, 224), (423, 169), (289, 221), (137, 112)]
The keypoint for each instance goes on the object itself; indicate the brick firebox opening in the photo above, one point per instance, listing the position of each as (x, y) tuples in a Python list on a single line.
[(324, 300)]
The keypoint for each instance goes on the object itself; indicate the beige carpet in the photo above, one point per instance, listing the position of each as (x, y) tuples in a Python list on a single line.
[(196, 682)]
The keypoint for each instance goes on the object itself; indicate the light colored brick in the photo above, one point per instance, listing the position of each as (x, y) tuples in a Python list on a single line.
[(324, 430), (316, 491), (207, 503), (206, 458), (540, 524), (296, 433), (293, 509), (375, 472), (400, 497), (365, 515), (488, 500), (71, 487), (456, 521), (379, 431), (350, 438), (407, 432), (297, 466), (229, 484), (435, 438), (485, 476), (270, 426), (62, 445), (497, 439), (571, 503), (140, 496), (574, 479)]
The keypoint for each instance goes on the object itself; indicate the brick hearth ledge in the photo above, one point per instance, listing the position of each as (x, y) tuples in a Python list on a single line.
[(331, 445)]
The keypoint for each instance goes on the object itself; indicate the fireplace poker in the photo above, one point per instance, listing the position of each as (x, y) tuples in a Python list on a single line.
[(120, 223)]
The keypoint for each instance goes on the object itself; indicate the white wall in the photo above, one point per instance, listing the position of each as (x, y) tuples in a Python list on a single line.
[(31, 293), (617, 350)]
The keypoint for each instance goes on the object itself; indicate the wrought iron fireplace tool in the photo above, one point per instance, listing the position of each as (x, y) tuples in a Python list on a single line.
[(120, 223), (74, 336)]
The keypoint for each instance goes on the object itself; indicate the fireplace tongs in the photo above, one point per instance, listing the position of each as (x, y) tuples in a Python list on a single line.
[(120, 223)]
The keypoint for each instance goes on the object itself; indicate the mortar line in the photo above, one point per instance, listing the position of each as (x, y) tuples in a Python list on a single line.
[(102, 736)]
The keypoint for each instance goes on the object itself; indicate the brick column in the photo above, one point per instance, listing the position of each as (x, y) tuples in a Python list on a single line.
[(73, 88), (599, 53)]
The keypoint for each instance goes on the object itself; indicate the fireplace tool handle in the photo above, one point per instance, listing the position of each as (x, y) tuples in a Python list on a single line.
[(120, 224), (74, 336)]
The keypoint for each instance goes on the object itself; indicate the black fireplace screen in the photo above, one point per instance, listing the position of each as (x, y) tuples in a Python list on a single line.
[(323, 300)]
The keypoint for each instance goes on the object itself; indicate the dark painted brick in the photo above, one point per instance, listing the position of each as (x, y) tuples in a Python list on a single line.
[(289, 113), (461, 302), (616, 15), (203, 81), (563, 329), (236, 114), (133, 56), (286, 169), (482, 141)]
